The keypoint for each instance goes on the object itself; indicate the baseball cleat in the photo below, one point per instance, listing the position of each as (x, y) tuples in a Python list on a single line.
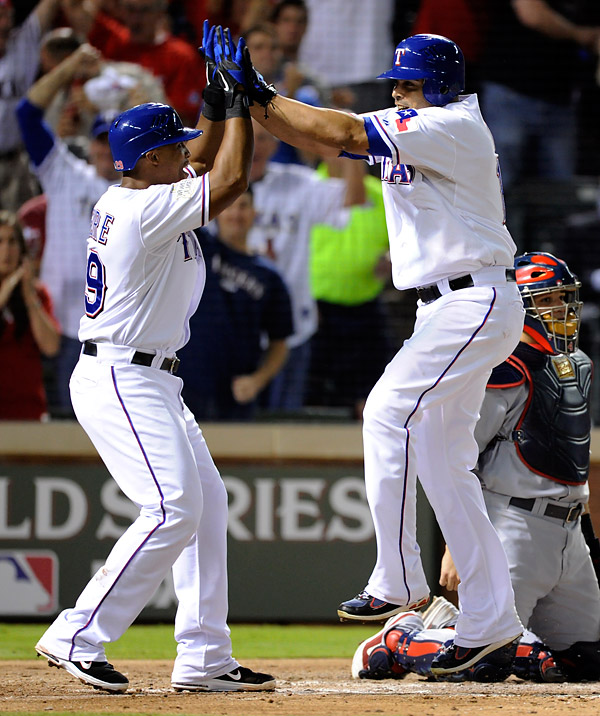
[(365, 608), (458, 658), (440, 614), (99, 674), (240, 679)]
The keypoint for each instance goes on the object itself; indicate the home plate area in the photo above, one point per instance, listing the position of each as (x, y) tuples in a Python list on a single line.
[(305, 687)]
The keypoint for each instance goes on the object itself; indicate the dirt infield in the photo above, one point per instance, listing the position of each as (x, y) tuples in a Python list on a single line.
[(305, 688)]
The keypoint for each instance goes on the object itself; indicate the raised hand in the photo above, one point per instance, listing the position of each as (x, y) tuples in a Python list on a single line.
[(229, 61), (207, 52), (213, 94), (258, 89)]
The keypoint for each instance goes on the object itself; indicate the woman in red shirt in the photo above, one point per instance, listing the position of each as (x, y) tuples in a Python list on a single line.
[(28, 329)]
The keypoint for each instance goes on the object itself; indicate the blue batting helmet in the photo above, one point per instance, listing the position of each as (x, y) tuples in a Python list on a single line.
[(556, 326), (434, 58), (142, 128)]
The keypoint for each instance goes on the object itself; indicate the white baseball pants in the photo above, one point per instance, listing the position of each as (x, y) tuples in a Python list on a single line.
[(419, 421), (155, 451)]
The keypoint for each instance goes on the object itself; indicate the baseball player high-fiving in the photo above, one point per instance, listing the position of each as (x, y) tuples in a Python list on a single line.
[(145, 275), (448, 240)]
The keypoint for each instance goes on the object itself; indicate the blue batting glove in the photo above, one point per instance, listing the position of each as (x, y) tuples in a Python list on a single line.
[(207, 52), (229, 59), (213, 95)]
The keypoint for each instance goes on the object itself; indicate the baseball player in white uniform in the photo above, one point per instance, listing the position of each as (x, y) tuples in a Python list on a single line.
[(448, 240), (145, 275)]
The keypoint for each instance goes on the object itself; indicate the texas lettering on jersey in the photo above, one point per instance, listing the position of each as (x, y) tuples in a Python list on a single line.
[(186, 239), (397, 173)]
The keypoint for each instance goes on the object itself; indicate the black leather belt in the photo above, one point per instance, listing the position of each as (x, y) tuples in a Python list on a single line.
[(139, 358), (566, 514), (427, 294)]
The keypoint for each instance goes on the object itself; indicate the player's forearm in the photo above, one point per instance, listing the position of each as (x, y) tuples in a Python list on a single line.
[(204, 149), (231, 171), (323, 131)]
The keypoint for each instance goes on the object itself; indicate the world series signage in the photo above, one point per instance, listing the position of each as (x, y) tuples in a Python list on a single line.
[(300, 533)]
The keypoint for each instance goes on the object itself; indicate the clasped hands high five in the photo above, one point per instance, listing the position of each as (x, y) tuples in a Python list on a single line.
[(229, 69)]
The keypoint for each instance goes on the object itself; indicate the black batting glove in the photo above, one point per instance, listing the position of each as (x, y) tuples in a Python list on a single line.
[(258, 89)]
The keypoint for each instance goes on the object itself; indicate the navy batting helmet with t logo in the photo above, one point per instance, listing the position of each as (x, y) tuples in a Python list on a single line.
[(433, 58), (143, 128)]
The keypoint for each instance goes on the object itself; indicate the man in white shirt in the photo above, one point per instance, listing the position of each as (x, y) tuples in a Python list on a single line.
[(448, 240)]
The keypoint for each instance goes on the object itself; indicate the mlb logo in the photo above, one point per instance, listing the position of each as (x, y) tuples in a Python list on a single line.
[(29, 582)]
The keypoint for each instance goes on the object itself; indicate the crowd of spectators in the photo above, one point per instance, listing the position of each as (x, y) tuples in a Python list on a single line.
[(297, 272)]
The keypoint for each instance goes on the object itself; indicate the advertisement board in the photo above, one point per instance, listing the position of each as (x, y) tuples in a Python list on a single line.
[(300, 538)]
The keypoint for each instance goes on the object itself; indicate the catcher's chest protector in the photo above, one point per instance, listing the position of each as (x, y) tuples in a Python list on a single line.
[(552, 436)]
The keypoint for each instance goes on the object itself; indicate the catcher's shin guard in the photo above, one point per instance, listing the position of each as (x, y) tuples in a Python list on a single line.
[(534, 662)]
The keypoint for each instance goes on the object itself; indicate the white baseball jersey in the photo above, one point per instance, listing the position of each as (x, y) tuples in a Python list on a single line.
[(289, 200), (143, 284), (18, 70), (72, 187), (441, 190)]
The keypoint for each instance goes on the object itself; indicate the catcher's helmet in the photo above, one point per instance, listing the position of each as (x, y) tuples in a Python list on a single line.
[(556, 328), (142, 128), (434, 58)]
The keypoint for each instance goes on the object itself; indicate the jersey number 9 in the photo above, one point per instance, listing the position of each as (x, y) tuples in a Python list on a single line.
[(95, 286)]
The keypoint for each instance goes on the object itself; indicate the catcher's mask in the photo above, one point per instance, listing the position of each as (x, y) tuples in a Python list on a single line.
[(433, 58), (550, 293)]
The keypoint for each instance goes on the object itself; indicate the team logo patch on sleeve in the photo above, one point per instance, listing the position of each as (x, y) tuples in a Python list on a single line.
[(184, 189), (404, 116)]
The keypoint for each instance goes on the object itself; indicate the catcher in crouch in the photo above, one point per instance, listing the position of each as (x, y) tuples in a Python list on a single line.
[(534, 441)]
